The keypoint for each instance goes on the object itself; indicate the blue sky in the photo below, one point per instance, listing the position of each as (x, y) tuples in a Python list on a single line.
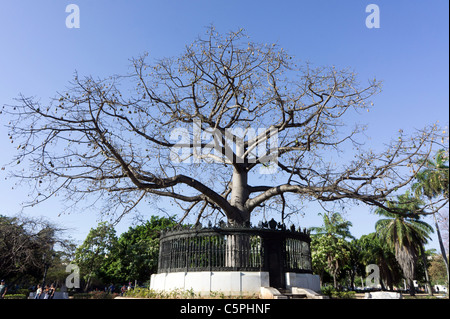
[(409, 53)]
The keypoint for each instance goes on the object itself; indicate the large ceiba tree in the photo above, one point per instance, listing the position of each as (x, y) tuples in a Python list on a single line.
[(204, 128)]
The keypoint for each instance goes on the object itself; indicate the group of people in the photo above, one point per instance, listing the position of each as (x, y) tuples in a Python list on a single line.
[(47, 292)]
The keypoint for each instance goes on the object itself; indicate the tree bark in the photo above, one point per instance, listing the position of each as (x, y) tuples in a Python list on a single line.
[(424, 259), (407, 258), (239, 196), (441, 245), (237, 251), (412, 289)]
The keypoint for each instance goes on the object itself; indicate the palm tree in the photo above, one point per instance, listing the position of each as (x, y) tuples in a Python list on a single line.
[(334, 224), (405, 233), (376, 251), (433, 181)]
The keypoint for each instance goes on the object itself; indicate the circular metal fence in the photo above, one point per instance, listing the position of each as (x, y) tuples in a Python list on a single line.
[(269, 247)]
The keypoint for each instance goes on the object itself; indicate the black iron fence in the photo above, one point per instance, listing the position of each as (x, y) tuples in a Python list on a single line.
[(235, 249)]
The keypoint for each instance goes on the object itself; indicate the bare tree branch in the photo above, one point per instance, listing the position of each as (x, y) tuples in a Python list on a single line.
[(230, 107)]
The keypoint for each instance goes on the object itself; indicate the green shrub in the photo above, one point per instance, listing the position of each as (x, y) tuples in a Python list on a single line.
[(327, 291), (333, 293), (23, 291), (94, 295), (16, 296), (150, 293), (180, 294), (345, 294)]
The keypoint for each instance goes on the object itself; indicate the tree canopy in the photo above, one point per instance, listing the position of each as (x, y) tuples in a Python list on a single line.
[(407, 235), (202, 127), (131, 256), (28, 245)]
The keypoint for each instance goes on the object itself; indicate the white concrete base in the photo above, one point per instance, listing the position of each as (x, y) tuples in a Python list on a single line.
[(271, 293), (308, 281), (230, 283), (383, 295), (310, 294)]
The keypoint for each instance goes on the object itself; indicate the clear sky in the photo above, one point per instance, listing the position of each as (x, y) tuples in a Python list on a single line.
[(409, 53)]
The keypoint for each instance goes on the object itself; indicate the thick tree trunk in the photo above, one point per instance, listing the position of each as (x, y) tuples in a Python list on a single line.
[(88, 283), (352, 279), (412, 289), (407, 258), (239, 196), (335, 273), (334, 281), (441, 245), (238, 246), (238, 251), (428, 283)]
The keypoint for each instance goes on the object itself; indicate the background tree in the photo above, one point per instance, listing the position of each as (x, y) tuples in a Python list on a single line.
[(27, 247), (433, 179), (423, 273), (407, 235), (375, 251), (433, 182), (329, 254), (230, 107), (57, 274), (443, 227), (136, 251), (329, 248), (105, 258), (96, 252), (335, 225), (438, 271), (355, 265)]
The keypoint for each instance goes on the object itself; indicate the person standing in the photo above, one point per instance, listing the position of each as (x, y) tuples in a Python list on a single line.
[(111, 288), (3, 289), (46, 292), (38, 292), (51, 291)]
